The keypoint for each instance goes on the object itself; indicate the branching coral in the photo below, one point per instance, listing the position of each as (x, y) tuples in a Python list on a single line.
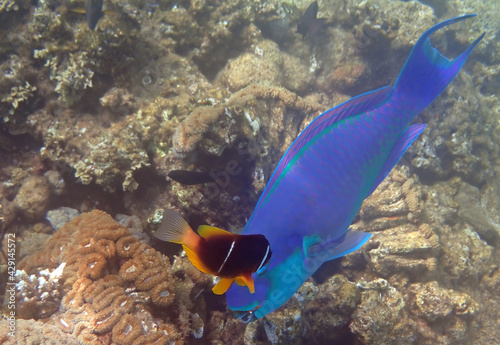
[(38, 295), (8, 5), (72, 75), (18, 94)]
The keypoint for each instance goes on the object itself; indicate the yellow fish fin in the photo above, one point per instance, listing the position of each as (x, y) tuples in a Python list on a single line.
[(222, 286), (110, 12), (175, 229), (78, 10), (207, 231), (246, 280), (195, 260)]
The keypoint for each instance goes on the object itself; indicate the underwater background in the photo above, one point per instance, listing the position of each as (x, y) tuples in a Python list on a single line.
[(99, 119)]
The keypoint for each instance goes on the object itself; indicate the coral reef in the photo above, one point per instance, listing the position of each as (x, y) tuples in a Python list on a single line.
[(33, 197), (34, 332), (104, 275)]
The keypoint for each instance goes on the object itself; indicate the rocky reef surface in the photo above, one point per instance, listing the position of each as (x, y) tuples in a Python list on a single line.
[(96, 119)]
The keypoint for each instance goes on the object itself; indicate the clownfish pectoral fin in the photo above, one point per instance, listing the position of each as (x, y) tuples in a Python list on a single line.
[(207, 231), (246, 280), (222, 286)]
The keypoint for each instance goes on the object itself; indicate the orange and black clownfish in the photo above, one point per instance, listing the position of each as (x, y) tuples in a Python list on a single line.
[(218, 252)]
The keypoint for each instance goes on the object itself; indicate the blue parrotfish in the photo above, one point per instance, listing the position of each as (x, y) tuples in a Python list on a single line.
[(307, 207)]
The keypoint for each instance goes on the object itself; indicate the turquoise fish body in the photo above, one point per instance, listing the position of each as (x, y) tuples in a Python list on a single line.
[(320, 183)]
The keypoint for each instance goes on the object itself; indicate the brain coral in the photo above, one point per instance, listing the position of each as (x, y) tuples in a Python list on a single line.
[(114, 287)]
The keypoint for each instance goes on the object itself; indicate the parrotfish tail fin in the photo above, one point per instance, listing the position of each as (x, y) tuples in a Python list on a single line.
[(427, 72), (222, 286)]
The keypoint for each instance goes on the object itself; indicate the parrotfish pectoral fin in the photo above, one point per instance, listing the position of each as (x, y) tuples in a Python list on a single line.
[(207, 231), (222, 286), (335, 248), (409, 135), (427, 72), (308, 242)]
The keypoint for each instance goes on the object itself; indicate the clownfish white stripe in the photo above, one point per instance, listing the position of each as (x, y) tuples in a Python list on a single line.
[(263, 259), (227, 257)]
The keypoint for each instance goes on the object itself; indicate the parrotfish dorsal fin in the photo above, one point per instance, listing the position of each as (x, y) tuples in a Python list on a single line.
[(246, 280), (409, 135), (175, 229), (196, 261), (329, 250), (207, 231), (355, 106), (222, 286)]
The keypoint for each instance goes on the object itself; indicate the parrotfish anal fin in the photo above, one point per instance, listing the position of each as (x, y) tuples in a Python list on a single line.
[(329, 250), (222, 286), (409, 135), (195, 260), (174, 229), (246, 280), (354, 106), (207, 231), (427, 72)]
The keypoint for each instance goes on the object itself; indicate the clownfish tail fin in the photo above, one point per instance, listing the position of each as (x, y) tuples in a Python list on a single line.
[(175, 229)]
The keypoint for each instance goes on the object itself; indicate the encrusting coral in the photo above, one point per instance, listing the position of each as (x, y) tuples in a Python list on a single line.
[(108, 279)]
